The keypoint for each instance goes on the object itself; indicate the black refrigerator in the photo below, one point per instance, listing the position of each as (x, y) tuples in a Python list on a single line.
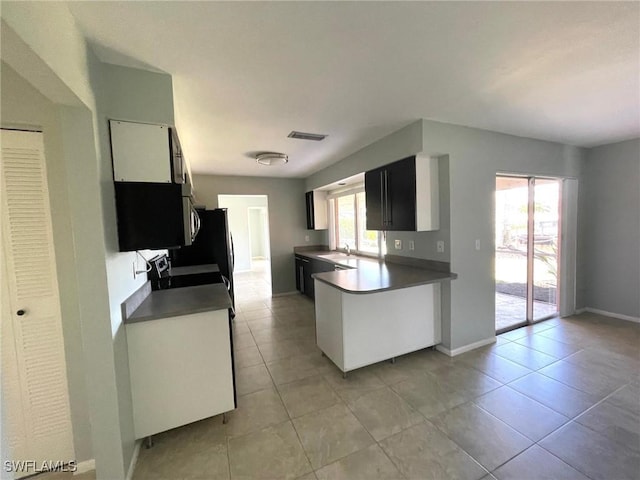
[(213, 244)]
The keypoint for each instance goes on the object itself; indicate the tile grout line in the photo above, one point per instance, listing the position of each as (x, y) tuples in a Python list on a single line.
[(293, 425)]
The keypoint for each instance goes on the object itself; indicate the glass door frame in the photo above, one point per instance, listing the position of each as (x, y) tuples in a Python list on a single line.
[(529, 298)]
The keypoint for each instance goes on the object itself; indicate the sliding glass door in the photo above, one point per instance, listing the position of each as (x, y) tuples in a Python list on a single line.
[(527, 249)]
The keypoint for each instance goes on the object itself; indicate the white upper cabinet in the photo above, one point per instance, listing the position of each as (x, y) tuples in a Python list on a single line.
[(140, 152)]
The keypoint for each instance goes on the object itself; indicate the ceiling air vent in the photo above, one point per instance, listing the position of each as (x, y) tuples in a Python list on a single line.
[(306, 136)]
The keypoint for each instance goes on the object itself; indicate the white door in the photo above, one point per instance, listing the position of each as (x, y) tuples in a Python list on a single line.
[(34, 378)]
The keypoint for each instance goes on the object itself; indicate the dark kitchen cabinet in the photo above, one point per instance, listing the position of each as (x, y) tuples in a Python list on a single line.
[(391, 196), (303, 275), (403, 195), (300, 274), (316, 205), (305, 268), (150, 215)]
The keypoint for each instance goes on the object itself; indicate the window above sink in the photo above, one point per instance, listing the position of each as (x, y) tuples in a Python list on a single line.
[(347, 224)]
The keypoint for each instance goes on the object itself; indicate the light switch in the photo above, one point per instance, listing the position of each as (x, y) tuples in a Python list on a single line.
[(478, 244), (398, 244), (440, 246), (412, 245), (306, 238)]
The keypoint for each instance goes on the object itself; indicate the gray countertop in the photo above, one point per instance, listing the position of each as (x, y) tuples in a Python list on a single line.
[(194, 269), (370, 275), (181, 301)]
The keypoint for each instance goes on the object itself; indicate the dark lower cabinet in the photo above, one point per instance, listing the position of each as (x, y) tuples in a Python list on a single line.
[(299, 274), (305, 267)]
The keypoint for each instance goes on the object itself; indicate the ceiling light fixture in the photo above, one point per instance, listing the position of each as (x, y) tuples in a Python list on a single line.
[(272, 158)]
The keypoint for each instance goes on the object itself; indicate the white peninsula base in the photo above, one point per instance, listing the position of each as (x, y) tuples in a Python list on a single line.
[(355, 330)]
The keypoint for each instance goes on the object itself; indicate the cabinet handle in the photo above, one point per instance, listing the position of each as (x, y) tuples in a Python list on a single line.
[(387, 209), (20, 312), (386, 198), (382, 200)]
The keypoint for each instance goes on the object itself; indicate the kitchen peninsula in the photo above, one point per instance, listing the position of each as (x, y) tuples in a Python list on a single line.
[(369, 310)]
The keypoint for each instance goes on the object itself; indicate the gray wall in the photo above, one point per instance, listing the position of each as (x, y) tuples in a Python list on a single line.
[(287, 217), (475, 156), (609, 223), (21, 106)]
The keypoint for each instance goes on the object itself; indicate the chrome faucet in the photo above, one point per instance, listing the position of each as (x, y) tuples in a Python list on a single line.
[(347, 248)]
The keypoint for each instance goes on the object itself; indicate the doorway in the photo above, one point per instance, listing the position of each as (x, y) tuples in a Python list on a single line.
[(527, 256), (249, 225)]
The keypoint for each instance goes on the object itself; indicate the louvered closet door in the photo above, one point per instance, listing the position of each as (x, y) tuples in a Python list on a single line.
[(34, 371)]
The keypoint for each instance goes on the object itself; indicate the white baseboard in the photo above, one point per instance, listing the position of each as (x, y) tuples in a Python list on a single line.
[(84, 467), (466, 348), (285, 294), (134, 459), (610, 314)]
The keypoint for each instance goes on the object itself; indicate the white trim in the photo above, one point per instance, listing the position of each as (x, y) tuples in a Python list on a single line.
[(134, 459), (577, 312), (285, 294), (466, 348), (85, 466), (610, 314), (347, 190)]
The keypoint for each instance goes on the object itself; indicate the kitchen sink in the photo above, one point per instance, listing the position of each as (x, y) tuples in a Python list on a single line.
[(336, 256)]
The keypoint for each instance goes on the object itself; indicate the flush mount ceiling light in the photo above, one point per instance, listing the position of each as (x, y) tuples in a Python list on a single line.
[(272, 158)]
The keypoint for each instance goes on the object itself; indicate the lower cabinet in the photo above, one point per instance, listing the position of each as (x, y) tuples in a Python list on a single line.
[(181, 370), (305, 267), (303, 275)]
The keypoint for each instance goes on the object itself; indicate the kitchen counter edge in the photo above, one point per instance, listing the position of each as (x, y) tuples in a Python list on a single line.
[(348, 281), (178, 302)]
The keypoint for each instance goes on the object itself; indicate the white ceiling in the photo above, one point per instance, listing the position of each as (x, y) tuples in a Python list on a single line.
[(247, 73)]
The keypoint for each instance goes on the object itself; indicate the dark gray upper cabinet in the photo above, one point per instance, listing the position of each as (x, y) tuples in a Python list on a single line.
[(403, 195)]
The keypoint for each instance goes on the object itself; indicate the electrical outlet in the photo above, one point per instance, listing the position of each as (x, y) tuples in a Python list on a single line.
[(440, 246), (306, 238), (398, 244), (412, 245)]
